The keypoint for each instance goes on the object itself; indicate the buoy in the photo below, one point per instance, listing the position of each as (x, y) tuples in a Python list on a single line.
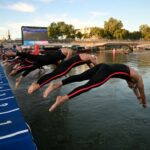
[(36, 49)]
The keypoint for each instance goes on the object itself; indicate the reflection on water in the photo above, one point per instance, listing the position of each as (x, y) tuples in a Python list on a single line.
[(137, 60), (105, 118)]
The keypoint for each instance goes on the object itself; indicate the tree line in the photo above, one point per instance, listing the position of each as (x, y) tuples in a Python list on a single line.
[(113, 29)]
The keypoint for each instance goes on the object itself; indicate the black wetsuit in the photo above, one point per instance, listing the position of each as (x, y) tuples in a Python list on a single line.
[(97, 76), (49, 58), (37, 61), (62, 70)]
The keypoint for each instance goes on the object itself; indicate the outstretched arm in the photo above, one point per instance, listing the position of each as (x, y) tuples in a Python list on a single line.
[(140, 87), (138, 90), (137, 94)]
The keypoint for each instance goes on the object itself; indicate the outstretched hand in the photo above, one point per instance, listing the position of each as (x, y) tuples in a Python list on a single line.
[(143, 102)]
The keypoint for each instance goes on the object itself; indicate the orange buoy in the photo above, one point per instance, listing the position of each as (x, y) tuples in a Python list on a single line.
[(36, 49)]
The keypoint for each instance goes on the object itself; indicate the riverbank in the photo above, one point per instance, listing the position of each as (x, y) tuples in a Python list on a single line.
[(85, 42)]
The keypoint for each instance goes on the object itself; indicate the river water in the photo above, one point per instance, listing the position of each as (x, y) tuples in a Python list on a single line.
[(106, 118)]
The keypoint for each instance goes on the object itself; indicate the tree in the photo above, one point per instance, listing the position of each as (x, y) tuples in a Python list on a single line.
[(53, 31), (136, 35), (97, 32), (78, 35), (145, 31), (61, 30), (120, 34), (111, 26)]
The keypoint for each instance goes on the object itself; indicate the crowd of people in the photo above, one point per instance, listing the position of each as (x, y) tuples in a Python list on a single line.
[(64, 60)]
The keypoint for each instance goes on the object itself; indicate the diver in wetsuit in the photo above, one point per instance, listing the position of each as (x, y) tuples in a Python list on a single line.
[(96, 77), (63, 69), (37, 61)]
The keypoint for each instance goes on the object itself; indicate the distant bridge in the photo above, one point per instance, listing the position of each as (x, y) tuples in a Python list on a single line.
[(119, 45), (144, 46)]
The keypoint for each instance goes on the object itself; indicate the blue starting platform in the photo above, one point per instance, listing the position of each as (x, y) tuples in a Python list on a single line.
[(14, 133)]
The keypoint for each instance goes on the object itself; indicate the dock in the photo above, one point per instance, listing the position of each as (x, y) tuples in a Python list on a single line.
[(14, 131)]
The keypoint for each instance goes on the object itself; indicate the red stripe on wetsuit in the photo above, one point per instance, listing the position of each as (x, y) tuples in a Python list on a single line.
[(63, 73), (97, 84)]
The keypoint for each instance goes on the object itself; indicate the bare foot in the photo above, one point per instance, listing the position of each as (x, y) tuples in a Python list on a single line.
[(5, 64), (13, 72), (18, 80), (10, 53), (59, 100), (51, 88), (16, 66), (33, 87)]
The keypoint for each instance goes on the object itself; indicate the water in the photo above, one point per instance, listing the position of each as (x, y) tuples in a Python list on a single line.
[(106, 118)]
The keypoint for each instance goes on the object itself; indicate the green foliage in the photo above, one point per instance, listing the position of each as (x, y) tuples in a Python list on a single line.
[(78, 35), (113, 29), (145, 31), (61, 30), (97, 32), (53, 31), (134, 35)]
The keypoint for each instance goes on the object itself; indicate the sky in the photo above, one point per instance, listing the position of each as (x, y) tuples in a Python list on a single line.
[(79, 13)]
